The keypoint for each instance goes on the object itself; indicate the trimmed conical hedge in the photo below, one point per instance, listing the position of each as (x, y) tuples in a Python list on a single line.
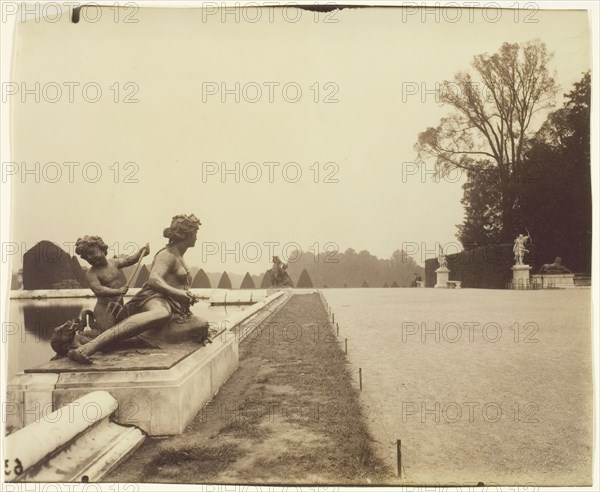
[(225, 282), (79, 273), (247, 283), (304, 282), (142, 277), (266, 281), (47, 266), (201, 280)]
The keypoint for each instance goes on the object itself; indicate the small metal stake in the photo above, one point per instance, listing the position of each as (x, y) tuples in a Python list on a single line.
[(333, 317), (360, 377), (399, 454), (346, 345)]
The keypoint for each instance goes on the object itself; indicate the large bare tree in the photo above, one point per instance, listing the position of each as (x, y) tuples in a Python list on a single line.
[(494, 114)]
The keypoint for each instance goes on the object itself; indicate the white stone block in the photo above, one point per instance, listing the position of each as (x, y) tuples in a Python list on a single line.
[(443, 275)]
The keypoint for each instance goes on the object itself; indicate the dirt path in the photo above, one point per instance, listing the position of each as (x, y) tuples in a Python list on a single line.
[(289, 414)]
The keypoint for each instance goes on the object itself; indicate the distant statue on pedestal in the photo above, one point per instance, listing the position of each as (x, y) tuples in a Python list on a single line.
[(442, 272), (555, 275), (279, 275), (442, 259), (555, 268), (521, 278), (519, 248)]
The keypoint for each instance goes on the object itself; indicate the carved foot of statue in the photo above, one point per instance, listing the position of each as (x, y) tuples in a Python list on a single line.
[(77, 356)]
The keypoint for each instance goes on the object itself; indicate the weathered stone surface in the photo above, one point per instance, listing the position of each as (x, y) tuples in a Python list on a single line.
[(443, 274), (160, 402), (73, 442), (130, 355), (557, 280), (520, 276), (36, 441), (29, 398)]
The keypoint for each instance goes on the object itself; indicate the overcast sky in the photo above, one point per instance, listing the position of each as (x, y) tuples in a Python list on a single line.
[(176, 62)]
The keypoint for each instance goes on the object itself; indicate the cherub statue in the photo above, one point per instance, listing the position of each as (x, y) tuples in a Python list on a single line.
[(104, 276)]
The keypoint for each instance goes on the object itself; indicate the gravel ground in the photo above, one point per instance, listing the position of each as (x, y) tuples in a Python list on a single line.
[(487, 386)]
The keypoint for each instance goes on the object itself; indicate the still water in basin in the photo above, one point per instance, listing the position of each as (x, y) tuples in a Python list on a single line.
[(32, 322)]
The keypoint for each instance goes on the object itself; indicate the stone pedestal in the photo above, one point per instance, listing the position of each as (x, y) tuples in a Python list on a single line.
[(560, 280), (443, 275), (158, 389), (520, 276)]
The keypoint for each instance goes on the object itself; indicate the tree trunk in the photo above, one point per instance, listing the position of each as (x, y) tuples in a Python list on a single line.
[(508, 233)]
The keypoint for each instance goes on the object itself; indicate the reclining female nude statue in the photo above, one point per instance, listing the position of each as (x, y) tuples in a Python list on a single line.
[(162, 307)]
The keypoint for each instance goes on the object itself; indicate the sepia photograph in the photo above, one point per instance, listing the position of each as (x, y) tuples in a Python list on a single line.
[(299, 245)]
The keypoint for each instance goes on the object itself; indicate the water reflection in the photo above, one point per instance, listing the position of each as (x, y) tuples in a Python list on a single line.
[(31, 323), (30, 327), (42, 319)]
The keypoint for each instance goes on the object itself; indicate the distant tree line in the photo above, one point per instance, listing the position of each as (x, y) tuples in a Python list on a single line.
[(47, 266), (352, 269)]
